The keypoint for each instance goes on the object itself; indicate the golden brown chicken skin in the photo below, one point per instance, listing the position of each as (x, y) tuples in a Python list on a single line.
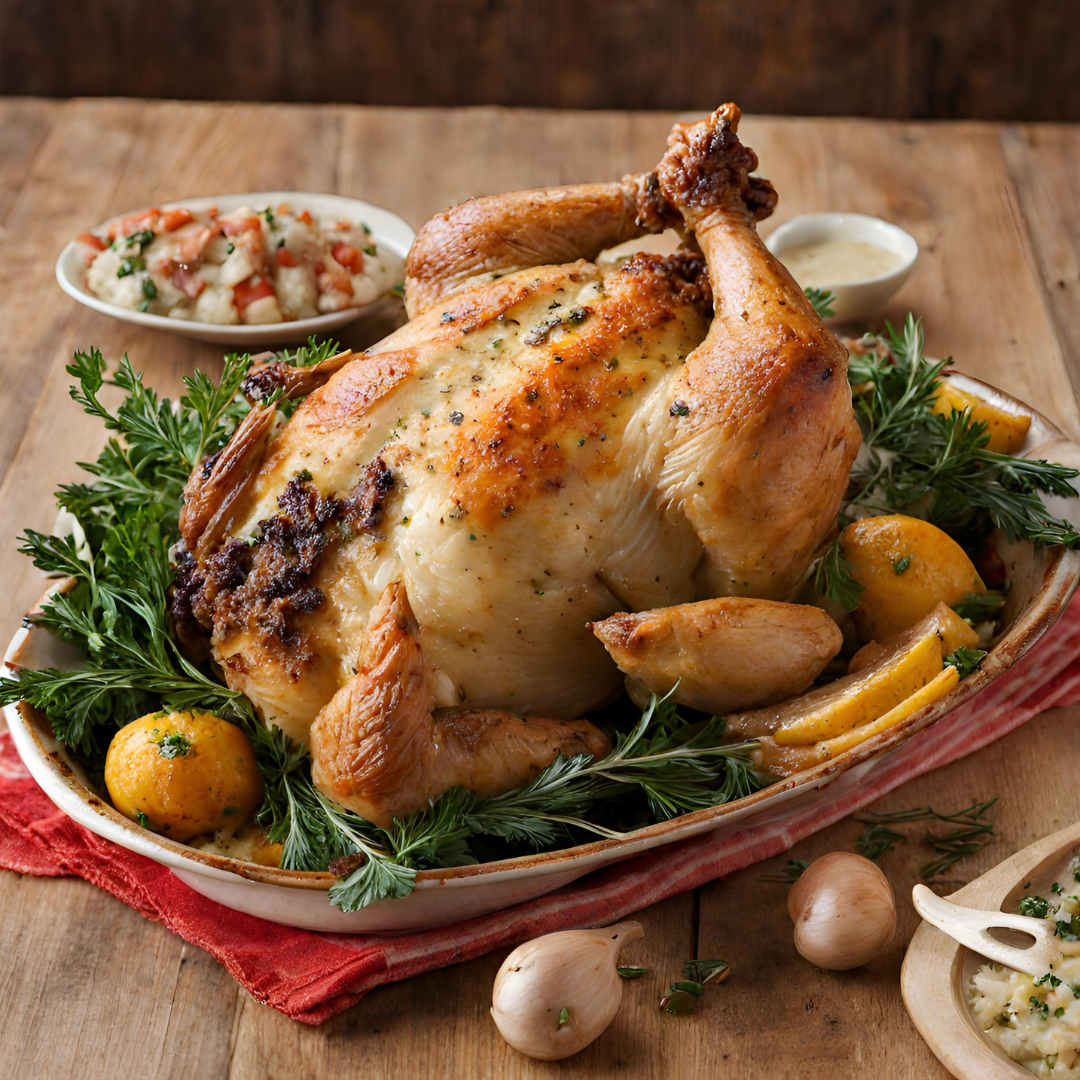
[(547, 442)]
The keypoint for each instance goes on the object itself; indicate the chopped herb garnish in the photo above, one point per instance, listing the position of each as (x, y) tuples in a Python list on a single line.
[(173, 745), (144, 238), (230, 247), (679, 1000), (632, 972), (564, 1016), (142, 819), (130, 265), (902, 564), (369, 249), (965, 660), (679, 408), (1035, 906), (143, 305), (149, 289)]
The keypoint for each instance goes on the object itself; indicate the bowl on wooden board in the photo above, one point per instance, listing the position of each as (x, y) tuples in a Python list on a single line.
[(387, 230), (937, 970), (1043, 582)]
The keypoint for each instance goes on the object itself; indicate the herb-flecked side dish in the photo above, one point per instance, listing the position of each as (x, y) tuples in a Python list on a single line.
[(347, 613)]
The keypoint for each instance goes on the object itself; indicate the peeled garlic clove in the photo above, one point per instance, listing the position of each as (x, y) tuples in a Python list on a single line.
[(844, 911), (555, 994)]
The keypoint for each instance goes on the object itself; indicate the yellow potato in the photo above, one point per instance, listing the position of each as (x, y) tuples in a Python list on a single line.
[(182, 774), (846, 703), (906, 568), (787, 760), (267, 854), (1007, 432), (952, 631)]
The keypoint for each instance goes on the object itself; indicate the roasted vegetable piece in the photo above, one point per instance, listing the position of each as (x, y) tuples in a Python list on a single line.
[(952, 631), (883, 677), (786, 760), (732, 652), (182, 774), (906, 567), (1007, 432)]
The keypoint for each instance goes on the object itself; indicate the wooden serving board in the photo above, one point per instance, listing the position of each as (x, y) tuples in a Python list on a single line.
[(937, 970)]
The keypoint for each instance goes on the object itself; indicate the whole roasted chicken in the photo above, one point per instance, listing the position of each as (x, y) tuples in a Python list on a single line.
[(555, 470)]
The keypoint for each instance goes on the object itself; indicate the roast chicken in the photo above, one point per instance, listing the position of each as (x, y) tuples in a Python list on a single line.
[(558, 467)]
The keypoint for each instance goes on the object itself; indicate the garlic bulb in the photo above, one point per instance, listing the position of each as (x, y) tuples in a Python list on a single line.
[(844, 911), (555, 994)]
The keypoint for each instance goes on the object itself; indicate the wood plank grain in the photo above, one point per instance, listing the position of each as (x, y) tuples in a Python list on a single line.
[(1044, 163), (88, 982)]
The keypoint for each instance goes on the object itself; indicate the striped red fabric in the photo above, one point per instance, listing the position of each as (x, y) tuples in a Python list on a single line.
[(313, 976)]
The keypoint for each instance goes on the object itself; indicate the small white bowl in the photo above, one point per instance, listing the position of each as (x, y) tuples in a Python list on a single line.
[(859, 299), (387, 229)]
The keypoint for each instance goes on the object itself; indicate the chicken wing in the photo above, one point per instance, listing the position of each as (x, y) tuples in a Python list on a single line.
[(724, 654)]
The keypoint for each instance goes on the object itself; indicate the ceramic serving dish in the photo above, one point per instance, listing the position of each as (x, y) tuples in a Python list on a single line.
[(852, 300), (1043, 581), (937, 970), (388, 230)]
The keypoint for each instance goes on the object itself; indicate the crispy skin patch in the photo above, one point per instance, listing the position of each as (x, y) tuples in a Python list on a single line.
[(263, 587), (524, 442)]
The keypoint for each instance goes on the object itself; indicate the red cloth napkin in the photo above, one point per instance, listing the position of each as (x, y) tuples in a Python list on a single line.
[(313, 976)]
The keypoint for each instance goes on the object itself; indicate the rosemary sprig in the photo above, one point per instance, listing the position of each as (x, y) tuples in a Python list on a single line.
[(915, 458), (822, 301), (949, 846), (875, 840)]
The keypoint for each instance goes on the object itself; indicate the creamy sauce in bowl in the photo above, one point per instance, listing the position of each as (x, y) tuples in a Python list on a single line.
[(838, 262)]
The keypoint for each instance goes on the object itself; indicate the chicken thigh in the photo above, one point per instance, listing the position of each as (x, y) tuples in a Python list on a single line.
[(545, 443)]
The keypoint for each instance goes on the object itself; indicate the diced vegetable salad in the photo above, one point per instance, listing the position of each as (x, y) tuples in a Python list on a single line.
[(246, 266)]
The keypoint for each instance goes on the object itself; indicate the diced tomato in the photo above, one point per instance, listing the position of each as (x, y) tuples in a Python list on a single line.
[(320, 266), (340, 280), (285, 257), (348, 256), (171, 220), (212, 213), (128, 225), (187, 281), (304, 216), (247, 292), (283, 210), (233, 226), (91, 245), (190, 246)]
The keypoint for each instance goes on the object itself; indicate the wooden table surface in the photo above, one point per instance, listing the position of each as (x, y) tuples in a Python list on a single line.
[(87, 983)]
